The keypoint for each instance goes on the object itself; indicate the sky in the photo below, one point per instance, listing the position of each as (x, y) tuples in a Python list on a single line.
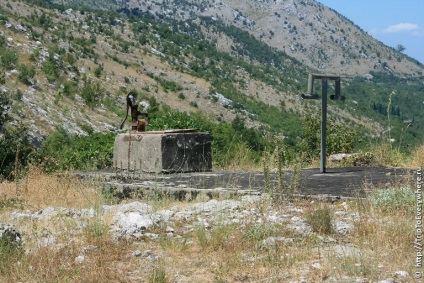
[(392, 22)]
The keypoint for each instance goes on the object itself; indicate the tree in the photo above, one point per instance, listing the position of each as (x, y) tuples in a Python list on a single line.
[(4, 106), (400, 48), (15, 144), (17, 147)]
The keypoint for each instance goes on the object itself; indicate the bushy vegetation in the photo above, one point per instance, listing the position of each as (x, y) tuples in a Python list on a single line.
[(341, 138), (62, 151), (394, 102), (394, 199), (16, 148), (15, 144)]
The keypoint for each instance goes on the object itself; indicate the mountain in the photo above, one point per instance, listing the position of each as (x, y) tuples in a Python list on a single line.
[(306, 30), (66, 64)]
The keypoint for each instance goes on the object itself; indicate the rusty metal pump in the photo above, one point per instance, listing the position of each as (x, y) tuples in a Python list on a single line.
[(138, 125)]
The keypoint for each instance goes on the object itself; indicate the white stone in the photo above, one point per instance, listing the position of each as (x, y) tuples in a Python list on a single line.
[(343, 228), (136, 253), (316, 265), (401, 274), (79, 259)]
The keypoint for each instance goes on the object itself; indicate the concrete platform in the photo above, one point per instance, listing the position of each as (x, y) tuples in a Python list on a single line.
[(337, 183), (163, 152)]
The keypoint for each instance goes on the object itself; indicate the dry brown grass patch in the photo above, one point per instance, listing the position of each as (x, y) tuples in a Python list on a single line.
[(38, 190), (417, 159), (102, 264)]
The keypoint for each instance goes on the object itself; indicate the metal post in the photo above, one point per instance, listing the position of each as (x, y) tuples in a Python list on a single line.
[(336, 96), (310, 84), (323, 124)]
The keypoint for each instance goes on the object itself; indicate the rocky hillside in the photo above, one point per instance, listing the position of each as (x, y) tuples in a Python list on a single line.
[(304, 29), (72, 67), (317, 36)]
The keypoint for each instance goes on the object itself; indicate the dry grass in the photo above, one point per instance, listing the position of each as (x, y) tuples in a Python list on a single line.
[(379, 245), (38, 190), (417, 158), (239, 158)]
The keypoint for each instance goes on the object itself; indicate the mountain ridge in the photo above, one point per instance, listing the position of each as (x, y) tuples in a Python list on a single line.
[(306, 30)]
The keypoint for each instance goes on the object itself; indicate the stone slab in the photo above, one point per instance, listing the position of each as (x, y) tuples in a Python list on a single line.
[(163, 152), (337, 183)]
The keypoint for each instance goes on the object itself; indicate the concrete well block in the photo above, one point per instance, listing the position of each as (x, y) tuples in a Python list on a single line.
[(163, 152)]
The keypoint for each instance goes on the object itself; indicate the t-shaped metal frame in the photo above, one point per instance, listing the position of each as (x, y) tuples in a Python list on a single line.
[(336, 96)]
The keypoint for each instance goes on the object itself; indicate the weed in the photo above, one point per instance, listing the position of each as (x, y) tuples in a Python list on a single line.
[(355, 266), (321, 219), (393, 199), (281, 159), (258, 232), (158, 273), (383, 154), (267, 180), (417, 159), (280, 152), (220, 235), (216, 239), (201, 236), (294, 182), (12, 202), (96, 229), (10, 254), (180, 246), (220, 273)]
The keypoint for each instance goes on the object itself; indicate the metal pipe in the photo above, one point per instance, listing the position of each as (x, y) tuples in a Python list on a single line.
[(310, 84), (323, 124), (337, 87)]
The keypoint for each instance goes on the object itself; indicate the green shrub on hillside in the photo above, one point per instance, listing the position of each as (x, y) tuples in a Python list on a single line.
[(15, 144), (26, 73), (91, 93), (227, 138), (62, 151), (16, 148), (180, 120), (341, 138), (8, 58)]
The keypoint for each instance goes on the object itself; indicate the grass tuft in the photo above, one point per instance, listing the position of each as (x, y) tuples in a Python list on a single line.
[(158, 274), (10, 254), (320, 219)]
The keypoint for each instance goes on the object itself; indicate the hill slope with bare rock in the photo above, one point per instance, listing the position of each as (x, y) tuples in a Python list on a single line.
[(72, 66), (304, 29)]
